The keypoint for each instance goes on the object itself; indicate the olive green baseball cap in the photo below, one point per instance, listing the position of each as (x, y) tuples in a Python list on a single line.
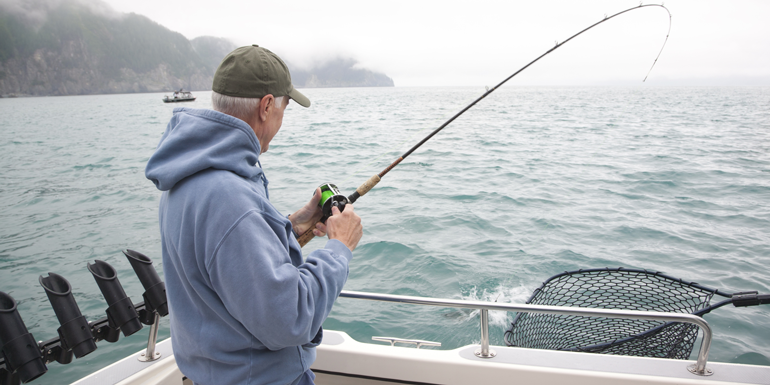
[(253, 72)]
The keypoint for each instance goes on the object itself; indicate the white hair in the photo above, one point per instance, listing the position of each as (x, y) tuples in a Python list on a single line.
[(241, 108)]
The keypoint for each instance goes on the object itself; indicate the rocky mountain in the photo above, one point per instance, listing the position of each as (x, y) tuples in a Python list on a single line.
[(339, 72), (76, 47)]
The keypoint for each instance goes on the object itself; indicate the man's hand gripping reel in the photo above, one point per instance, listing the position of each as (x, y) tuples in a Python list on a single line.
[(330, 197)]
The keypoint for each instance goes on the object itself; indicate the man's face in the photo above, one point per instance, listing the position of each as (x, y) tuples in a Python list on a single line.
[(273, 123)]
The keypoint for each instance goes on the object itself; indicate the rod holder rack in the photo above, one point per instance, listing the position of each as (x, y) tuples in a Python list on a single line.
[(23, 359)]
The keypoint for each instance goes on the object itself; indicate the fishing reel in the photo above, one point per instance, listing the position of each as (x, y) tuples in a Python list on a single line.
[(331, 197)]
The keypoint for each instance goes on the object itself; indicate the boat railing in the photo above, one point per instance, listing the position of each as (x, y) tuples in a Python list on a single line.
[(699, 368)]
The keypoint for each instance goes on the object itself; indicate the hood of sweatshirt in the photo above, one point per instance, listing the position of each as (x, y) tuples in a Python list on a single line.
[(199, 139)]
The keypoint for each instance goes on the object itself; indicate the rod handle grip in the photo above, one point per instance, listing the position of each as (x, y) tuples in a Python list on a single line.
[(368, 185), (306, 237)]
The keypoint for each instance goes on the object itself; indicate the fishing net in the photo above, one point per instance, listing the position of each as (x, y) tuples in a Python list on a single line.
[(614, 289)]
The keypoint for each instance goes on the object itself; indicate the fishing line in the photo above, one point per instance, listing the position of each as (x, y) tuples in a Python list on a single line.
[(393, 148), (663, 46), (332, 197)]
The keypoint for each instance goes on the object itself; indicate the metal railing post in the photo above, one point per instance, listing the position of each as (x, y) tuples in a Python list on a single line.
[(151, 354), (485, 352)]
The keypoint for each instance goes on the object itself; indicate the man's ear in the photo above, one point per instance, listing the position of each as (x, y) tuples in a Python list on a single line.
[(266, 105)]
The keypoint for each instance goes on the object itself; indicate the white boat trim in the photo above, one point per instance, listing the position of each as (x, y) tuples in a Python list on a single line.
[(131, 370), (341, 360), (339, 356)]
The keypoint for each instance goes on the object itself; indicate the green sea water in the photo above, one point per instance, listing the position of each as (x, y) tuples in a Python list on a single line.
[(529, 183)]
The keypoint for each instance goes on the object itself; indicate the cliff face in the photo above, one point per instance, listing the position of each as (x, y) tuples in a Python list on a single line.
[(77, 51), (83, 47), (54, 72)]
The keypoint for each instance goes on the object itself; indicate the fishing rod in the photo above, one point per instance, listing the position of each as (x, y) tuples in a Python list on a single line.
[(331, 195)]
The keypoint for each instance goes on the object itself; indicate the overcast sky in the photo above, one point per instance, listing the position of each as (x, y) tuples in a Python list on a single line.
[(480, 42)]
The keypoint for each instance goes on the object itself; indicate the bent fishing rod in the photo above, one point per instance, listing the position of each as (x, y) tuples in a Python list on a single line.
[(330, 194)]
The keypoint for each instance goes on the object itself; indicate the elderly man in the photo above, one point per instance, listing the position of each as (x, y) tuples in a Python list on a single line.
[(244, 306)]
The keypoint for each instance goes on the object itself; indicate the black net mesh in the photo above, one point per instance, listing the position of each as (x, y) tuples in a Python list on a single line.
[(612, 289)]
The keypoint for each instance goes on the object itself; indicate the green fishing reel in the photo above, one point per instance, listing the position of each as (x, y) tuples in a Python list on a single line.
[(331, 197)]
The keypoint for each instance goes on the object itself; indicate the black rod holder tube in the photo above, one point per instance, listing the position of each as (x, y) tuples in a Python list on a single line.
[(74, 331), (155, 289), (121, 311), (21, 352)]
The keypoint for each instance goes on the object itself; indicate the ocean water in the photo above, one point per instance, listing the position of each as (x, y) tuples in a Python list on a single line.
[(529, 183)]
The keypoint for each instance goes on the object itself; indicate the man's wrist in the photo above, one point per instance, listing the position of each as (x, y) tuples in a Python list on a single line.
[(293, 229)]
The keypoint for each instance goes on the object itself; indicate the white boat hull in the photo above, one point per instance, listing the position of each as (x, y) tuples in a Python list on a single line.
[(342, 361)]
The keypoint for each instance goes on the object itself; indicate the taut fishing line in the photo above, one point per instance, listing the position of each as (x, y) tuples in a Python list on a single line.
[(393, 148), (330, 194)]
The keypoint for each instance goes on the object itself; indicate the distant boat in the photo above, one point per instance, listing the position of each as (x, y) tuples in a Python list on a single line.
[(179, 96)]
